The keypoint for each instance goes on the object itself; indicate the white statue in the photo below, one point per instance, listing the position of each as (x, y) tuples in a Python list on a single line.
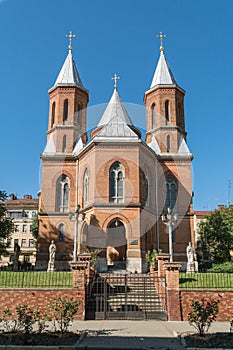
[(192, 265), (52, 253), (190, 253)]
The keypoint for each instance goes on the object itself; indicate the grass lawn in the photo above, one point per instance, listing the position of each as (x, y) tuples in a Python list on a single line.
[(35, 279), (206, 280)]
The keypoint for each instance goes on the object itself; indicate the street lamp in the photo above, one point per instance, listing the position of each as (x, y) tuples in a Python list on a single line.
[(170, 220), (76, 233)]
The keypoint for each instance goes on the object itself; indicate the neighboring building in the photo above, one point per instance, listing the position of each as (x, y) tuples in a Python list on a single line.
[(199, 216), (120, 183), (22, 211)]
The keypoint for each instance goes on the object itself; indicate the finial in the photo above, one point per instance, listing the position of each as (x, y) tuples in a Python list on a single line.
[(115, 78), (161, 36), (70, 36)]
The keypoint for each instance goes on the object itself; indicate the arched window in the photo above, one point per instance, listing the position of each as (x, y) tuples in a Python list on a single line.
[(144, 189), (170, 192), (63, 194), (61, 233), (86, 187), (167, 111), (53, 114), (65, 110), (153, 115), (116, 183), (168, 143), (64, 143)]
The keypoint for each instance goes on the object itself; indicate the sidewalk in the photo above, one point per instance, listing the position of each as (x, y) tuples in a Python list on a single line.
[(134, 335)]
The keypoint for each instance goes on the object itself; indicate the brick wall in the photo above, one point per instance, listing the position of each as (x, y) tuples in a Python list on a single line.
[(225, 305), (9, 298)]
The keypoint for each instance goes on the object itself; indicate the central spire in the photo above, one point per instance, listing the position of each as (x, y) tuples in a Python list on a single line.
[(115, 107)]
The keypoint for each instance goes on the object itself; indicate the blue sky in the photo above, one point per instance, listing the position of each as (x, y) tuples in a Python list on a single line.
[(118, 36)]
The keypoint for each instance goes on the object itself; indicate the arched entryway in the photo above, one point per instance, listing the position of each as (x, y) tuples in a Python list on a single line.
[(116, 242)]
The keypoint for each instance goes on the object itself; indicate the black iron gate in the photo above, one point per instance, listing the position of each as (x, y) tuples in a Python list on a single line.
[(129, 296)]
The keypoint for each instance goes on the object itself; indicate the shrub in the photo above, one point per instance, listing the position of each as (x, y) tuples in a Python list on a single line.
[(203, 314), (63, 311), (26, 318), (226, 267)]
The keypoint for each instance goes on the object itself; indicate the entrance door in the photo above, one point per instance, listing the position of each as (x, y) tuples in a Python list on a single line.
[(116, 242)]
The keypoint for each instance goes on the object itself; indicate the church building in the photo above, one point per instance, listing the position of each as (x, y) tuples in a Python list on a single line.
[(111, 189)]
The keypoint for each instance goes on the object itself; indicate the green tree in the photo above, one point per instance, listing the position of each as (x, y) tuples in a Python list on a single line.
[(216, 235), (6, 224), (35, 227)]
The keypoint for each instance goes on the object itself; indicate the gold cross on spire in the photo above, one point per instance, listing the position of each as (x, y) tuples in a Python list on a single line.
[(115, 78), (70, 36), (161, 36)]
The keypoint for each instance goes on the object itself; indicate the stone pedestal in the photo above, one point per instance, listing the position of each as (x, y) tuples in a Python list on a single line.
[(51, 266), (192, 267)]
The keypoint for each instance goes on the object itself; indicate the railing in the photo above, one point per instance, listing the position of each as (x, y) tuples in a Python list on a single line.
[(36, 279), (213, 281)]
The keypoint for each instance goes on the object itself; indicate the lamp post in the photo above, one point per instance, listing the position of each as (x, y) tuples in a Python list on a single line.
[(76, 233), (169, 220)]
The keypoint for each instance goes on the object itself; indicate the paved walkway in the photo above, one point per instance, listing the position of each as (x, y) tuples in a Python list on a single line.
[(134, 335)]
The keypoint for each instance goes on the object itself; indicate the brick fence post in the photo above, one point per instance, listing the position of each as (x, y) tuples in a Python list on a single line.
[(173, 295), (79, 282), (162, 258)]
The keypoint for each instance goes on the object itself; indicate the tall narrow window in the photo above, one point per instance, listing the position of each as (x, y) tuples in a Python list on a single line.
[(53, 114), (63, 193), (65, 110), (86, 187), (61, 233), (79, 114), (64, 144), (146, 189), (116, 183), (167, 111), (168, 143), (170, 192), (153, 115)]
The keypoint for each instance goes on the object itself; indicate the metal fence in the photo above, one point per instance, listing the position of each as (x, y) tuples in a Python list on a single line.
[(210, 281), (36, 279)]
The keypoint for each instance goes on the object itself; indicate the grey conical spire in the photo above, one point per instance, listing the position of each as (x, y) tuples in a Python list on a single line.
[(68, 74), (115, 107), (163, 74)]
